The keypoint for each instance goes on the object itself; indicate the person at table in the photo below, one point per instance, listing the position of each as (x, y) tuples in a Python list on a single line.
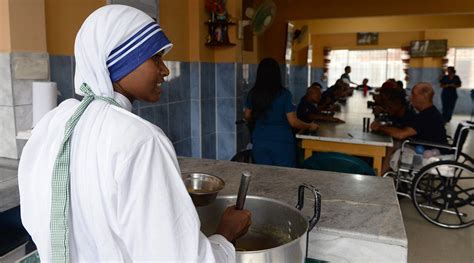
[(400, 85), (346, 77), (330, 97), (427, 125), (364, 85), (347, 90), (307, 109), (449, 83), (269, 105), (400, 113)]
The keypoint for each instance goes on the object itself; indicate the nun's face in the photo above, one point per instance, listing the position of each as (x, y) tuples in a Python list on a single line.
[(144, 83)]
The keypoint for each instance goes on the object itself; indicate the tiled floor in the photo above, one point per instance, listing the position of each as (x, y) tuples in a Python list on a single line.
[(429, 243)]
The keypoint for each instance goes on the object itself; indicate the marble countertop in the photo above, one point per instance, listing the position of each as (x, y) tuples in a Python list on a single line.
[(356, 206)]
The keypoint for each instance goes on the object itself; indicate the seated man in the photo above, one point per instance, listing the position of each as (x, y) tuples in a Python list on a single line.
[(395, 109), (330, 97), (347, 91), (364, 84), (307, 110), (427, 125)]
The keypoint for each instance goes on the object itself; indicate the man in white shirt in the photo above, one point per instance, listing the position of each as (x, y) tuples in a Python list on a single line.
[(98, 183)]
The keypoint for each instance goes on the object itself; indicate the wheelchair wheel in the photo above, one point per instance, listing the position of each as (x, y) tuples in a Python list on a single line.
[(443, 193)]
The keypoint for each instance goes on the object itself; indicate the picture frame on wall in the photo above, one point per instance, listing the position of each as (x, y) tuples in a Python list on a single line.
[(367, 38), (429, 48)]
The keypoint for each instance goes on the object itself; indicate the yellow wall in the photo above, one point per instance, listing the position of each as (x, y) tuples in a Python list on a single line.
[(27, 25), (175, 21), (348, 41), (183, 22), (455, 37), (63, 20), (304, 9), (5, 42), (394, 32), (387, 24)]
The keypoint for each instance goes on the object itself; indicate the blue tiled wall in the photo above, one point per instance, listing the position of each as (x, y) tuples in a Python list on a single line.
[(62, 72), (172, 113), (208, 110), (243, 87), (432, 75), (316, 75), (298, 82), (226, 110)]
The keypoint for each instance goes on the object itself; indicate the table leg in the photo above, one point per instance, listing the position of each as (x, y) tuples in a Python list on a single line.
[(378, 165), (307, 153)]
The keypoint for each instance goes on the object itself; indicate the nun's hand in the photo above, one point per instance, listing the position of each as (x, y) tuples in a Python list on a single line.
[(234, 223)]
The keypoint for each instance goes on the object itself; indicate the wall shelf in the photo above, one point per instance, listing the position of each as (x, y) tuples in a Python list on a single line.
[(218, 33)]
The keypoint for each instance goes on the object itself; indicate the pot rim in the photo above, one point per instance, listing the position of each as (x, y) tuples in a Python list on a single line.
[(278, 202)]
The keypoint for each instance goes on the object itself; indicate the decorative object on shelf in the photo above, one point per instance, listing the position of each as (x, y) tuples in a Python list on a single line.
[(327, 54), (218, 23), (405, 56), (367, 38)]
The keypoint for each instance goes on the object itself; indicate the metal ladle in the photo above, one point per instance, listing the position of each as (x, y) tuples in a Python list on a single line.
[(243, 188)]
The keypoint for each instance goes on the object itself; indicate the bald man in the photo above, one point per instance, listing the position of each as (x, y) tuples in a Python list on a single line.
[(428, 124)]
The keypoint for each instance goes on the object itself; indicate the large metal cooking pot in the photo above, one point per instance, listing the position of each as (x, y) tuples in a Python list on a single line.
[(279, 232)]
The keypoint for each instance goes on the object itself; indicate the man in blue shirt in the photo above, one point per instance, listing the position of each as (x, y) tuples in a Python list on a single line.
[(308, 109)]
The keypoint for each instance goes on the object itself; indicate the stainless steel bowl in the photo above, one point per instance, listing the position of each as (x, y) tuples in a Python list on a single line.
[(202, 188)]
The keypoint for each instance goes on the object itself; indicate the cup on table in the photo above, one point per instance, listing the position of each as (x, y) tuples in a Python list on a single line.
[(366, 125)]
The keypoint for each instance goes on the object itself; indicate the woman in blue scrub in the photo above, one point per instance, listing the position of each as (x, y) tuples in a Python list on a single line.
[(449, 83), (270, 107)]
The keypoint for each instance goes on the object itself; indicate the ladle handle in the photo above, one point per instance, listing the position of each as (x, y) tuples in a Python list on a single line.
[(244, 186)]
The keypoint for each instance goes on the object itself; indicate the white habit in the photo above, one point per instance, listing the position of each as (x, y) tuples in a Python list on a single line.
[(127, 200)]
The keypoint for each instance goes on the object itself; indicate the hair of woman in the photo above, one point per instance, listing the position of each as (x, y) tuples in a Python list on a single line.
[(267, 87)]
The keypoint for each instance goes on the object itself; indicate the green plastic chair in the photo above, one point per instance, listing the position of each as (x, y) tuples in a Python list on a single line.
[(338, 162)]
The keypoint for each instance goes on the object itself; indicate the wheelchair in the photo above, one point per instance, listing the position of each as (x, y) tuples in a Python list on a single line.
[(441, 189)]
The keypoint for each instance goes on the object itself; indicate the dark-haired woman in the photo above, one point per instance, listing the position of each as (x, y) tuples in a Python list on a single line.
[(269, 105)]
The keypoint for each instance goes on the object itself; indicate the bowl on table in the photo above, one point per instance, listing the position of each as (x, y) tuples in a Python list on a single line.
[(202, 187)]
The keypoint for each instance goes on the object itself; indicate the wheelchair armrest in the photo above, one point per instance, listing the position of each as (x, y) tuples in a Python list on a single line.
[(430, 144)]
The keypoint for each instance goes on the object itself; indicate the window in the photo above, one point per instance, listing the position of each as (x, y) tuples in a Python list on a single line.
[(376, 65), (463, 61)]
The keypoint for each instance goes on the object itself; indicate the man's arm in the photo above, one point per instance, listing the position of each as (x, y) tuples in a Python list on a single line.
[(323, 117), (397, 133)]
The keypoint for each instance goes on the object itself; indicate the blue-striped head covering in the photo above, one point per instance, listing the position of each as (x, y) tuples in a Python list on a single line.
[(112, 42)]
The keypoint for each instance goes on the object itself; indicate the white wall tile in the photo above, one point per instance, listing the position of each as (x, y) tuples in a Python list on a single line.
[(8, 147), (30, 66), (23, 117), (6, 97), (22, 94)]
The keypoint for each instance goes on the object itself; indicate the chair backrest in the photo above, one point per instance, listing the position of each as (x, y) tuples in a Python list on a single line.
[(338, 162), (460, 136)]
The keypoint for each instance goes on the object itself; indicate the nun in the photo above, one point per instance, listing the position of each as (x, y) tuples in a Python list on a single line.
[(98, 183)]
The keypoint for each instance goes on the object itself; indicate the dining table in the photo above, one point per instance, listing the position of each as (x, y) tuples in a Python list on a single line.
[(353, 137)]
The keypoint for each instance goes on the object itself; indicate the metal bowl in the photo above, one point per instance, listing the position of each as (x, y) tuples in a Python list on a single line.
[(202, 188)]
